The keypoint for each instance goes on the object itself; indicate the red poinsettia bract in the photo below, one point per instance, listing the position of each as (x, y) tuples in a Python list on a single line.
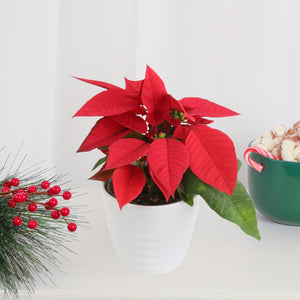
[(143, 123)]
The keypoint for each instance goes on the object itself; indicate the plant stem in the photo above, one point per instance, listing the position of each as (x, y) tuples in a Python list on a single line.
[(6, 194), (149, 186)]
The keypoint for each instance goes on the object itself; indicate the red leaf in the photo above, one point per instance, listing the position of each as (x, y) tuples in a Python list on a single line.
[(102, 84), (181, 132), (134, 87), (177, 105), (105, 132), (213, 158), (108, 103), (161, 111), (125, 151), (103, 175), (160, 186), (205, 108), (130, 120), (154, 97), (139, 110), (174, 122), (168, 159), (199, 120), (128, 182)]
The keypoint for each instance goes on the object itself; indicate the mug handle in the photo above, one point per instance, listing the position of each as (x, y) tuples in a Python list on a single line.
[(255, 165)]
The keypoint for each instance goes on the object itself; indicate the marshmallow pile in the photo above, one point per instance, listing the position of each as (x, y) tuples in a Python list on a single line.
[(284, 144)]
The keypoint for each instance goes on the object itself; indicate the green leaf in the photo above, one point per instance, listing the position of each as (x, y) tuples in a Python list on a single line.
[(239, 164), (192, 184), (237, 208), (188, 200), (100, 162), (103, 149)]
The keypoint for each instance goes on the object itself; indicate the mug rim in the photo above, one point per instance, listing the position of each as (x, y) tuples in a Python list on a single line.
[(280, 161)]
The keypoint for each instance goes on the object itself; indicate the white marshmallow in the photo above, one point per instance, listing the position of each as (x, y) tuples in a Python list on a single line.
[(268, 143), (287, 155), (282, 143), (268, 133), (262, 146), (294, 139), (292, 132), (297, 152), (278, 141), (280, 130), (277, 152), (256, 142), (288, 145), (297, 125)]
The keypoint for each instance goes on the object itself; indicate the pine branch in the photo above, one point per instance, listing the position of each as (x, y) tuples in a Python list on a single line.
[(26, 254)]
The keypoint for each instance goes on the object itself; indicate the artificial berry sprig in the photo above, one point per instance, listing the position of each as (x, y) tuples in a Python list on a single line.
[(24, 196)]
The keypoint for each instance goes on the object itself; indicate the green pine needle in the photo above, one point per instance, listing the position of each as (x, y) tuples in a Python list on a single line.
[(26, 254)]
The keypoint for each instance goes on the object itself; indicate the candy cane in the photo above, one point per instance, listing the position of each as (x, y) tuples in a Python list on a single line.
[(258, 167)]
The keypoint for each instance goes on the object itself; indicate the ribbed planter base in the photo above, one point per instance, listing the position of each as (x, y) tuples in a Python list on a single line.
[(151, 239)]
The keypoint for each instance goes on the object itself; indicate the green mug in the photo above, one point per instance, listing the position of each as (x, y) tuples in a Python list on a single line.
[(275, 190)]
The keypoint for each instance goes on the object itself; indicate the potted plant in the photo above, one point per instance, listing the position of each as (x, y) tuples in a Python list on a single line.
[(159, 153)]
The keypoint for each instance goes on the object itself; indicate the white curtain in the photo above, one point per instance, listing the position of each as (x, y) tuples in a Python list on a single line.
[(28, 43), (243, 54)]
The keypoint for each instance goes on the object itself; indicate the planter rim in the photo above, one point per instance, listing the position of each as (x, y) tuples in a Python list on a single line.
[(140, 205)]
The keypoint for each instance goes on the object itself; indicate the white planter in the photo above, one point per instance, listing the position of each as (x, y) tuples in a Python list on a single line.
[(151, 239)]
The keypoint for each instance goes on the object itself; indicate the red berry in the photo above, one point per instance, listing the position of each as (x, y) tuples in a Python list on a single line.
[(18, 197), (56, 189), (67, 195), (47, 206), (32, 207), (55, 214), (12, 203), (52, 202), (32, 189), (65, 211), (7, 183), (50, 192), (5, 189), (45, 184), (24, 196), (15, 181), (17, 221), (72, 227), (32, 224)]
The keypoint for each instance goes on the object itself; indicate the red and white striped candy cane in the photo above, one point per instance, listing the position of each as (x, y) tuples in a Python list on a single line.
[(258, 167)]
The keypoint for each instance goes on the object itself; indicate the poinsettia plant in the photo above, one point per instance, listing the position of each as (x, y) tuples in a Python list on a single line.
[(152, 140)]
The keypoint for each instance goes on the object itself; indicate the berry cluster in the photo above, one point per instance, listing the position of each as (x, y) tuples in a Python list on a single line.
[(24, 196)]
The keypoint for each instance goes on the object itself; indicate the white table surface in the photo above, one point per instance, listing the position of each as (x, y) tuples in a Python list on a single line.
[(222, 263)]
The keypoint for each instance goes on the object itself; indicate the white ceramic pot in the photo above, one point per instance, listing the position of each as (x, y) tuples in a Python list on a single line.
[(151, 239)]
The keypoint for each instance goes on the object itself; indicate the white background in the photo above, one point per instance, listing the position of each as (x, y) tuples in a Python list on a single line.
[(242, 54), (237, 53)]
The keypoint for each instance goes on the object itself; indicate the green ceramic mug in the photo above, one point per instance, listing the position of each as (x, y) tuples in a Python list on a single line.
[(275, 190)]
